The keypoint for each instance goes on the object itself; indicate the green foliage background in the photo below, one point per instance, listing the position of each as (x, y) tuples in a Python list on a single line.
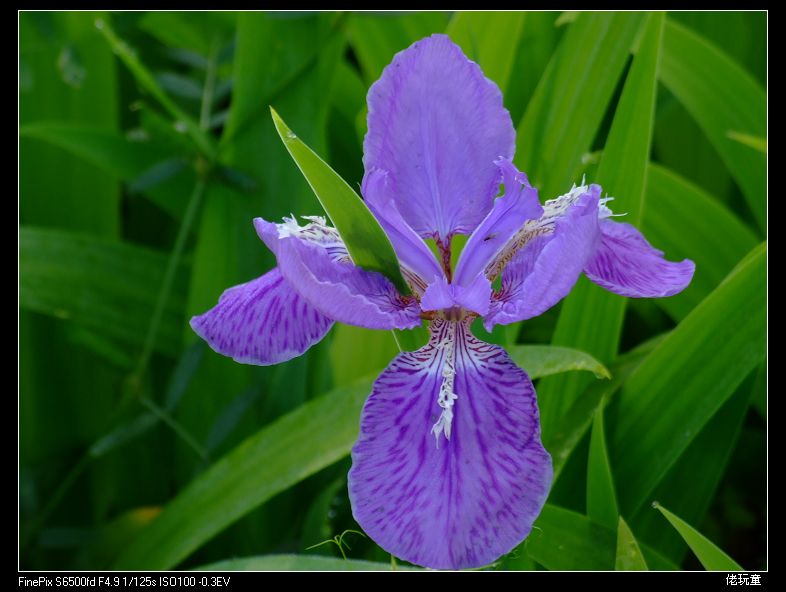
[(147, 147)]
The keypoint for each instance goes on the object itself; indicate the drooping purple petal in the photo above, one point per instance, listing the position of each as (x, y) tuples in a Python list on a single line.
[(262, 322), (437, 125), (459, 502), (510, 212), (440, 295), (626, 264), (315, 262), (548, 264), (412, 252)]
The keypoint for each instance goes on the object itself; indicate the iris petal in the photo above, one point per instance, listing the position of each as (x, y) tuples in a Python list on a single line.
[(459, 502), (548, 265), (626, 264), (262, 322), (437, 124), (314, 262)]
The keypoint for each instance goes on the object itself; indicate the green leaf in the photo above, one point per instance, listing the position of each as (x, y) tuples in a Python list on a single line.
[(710, 556), (281, 454), (591, 317), (125, 159), (684, 221), (148, 82), (488, 38), (722, 98), (356, 352), (545, 360), (601, 499), (687, 378), (367, 243), (376, 37), (196, 30), (299, 563), (568, 106), (750, 141), (106, 285), (703, 465), (565, 540), (576, 421), (106, 149), (629, 557)]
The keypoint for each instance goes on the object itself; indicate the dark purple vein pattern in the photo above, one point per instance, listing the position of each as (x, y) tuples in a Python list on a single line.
[(453, 503), (262, 322)]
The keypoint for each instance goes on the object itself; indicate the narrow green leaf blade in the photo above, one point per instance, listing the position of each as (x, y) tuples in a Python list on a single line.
[(684, 221), (105, 285), (710, 556), (722, 98), (544, 360), (281, 454), (601, 498), (703, 465), (299, 563), (591, 318), (629, 557), (687, 378), (147, 81), (577, 420), (565, 540), (567, 108), (488, 38), (367, 243)]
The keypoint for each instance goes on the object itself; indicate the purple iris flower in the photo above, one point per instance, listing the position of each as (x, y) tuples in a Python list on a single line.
[(449, 470)]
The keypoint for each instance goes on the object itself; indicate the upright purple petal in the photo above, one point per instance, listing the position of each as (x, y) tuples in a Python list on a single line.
[(626, 264), (510, 212), (554, 251), (437, 125), (262, 322), (469, 495), (412, 252)]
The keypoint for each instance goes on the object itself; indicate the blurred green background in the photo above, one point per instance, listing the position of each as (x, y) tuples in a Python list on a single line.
[(146, 148)]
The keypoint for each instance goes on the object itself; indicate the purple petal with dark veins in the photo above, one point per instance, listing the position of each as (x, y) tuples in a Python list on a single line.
[(440, 295), (262, 322), (510, 212), (548, 265), (343, 291), (410, 248), (315, 262), (457, 503), (626, 264), (437, 125)]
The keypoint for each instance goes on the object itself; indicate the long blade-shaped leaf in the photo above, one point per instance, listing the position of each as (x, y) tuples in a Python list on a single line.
[(601, 499), (568, 105), (722, 98), (703, 465), (545, 360), (629, 557), (108, 286), (288, 450), (489, 38), (687, 378), (684, 221), (367, 243), (565, 540), (711, 557), (147, 81), (591, 318)]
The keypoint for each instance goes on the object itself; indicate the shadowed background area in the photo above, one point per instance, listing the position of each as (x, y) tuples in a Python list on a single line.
[(147, 148)]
